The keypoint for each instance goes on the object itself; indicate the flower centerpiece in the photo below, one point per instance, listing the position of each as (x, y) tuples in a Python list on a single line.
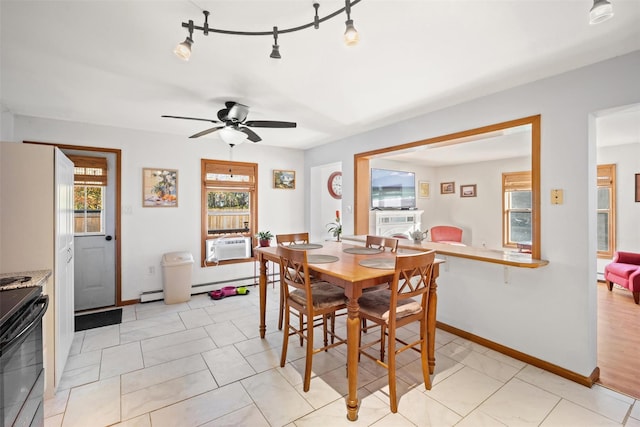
[(335, 228)]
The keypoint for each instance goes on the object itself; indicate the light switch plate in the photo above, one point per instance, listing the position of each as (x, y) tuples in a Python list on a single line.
[(557, 197)]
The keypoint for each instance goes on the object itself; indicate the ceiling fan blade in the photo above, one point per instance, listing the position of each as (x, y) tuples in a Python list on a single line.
[(205, 132), (251, 135), (269, 124), (191, 118)]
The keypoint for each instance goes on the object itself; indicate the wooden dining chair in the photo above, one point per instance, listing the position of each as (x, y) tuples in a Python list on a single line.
[(312, 304), (285, 240), (292, 238), (397, 307), (381, 242)]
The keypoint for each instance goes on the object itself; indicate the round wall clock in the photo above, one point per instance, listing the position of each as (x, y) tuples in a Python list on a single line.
[(334, 185)]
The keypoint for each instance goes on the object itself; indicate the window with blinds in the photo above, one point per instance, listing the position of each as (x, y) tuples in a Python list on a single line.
[(517, 209), (90, 181), (229, 200), (606, 218)]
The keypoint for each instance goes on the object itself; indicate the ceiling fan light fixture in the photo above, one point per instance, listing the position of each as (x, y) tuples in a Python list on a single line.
[(183, 50), (600, 12), (232, 136)]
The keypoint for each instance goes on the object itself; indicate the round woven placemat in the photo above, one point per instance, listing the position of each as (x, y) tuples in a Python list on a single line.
[(362, 251), (321, 259), (382, 263), (305, 246)]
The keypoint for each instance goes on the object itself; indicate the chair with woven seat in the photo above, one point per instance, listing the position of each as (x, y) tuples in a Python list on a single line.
[(285, 240), (310, 303), (379, 242), (396, 307)]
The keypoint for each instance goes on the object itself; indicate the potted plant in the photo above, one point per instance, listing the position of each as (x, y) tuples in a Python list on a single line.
[(264, 238), (335, 228)]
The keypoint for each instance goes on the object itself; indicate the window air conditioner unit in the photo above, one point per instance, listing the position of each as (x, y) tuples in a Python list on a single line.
[(226, 248)]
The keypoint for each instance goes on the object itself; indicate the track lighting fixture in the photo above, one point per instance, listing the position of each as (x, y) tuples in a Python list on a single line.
[(351, 37), (600, 12)]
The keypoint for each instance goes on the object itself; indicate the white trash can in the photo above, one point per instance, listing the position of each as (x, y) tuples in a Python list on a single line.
[(177, 267)]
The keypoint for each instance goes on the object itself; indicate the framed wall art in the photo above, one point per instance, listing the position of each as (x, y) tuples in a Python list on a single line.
[(638, 187), (468, 190), (159, 188), (447, 187), (424, 189), (284, 179)]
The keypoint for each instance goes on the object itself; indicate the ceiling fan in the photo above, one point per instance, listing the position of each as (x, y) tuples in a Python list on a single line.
[(232, 121)]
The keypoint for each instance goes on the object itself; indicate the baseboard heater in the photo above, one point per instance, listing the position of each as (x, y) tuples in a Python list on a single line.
[(150, 296)]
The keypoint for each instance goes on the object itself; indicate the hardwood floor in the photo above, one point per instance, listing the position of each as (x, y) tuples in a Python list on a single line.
[(618, 340)]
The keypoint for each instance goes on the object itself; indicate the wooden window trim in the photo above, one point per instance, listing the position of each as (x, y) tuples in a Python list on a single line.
[(228, 167), (513, 181), (607, 178)]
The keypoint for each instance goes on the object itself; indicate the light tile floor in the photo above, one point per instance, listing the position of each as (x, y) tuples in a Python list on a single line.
[(202, 363)]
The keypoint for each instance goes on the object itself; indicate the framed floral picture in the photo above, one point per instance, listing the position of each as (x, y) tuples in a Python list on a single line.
[(159, 188), (424, 189), (284, 179), (468, 190), (638, 187), (447, 187)]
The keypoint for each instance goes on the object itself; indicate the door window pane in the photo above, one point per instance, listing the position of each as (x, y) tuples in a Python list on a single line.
[(88, 209)]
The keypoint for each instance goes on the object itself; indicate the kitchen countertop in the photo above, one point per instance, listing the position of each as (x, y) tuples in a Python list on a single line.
[(38, 278)]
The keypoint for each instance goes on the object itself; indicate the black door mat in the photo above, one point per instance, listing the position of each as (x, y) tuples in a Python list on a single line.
[(96, 320)]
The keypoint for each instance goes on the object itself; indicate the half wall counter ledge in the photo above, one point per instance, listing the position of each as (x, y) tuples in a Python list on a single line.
[(507, 258)]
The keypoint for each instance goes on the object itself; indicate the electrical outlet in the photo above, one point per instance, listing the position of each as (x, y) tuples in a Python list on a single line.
[(557, 197)]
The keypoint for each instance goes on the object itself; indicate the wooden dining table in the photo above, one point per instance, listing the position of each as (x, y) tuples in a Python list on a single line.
[(343, 269)]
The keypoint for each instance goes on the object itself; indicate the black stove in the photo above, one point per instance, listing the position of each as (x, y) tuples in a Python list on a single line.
[(11, 302), (21, 358)]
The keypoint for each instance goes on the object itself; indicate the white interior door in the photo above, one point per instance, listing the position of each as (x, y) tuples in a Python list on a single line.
[(64, 260)]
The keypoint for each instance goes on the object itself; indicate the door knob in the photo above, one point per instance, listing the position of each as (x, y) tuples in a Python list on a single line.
[(108, 238)]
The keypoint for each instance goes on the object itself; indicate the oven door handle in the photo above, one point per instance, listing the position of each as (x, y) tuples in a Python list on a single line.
[(44, 300)]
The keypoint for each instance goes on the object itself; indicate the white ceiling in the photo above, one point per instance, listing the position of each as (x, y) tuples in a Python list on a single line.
[(110, 62)]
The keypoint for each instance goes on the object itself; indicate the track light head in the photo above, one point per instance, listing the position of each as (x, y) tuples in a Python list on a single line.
[(183, 50), (600, 12), (275, 52), (351, 36)]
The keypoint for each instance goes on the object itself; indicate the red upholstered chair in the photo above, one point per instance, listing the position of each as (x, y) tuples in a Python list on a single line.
[(624, 270), (446, 234)]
